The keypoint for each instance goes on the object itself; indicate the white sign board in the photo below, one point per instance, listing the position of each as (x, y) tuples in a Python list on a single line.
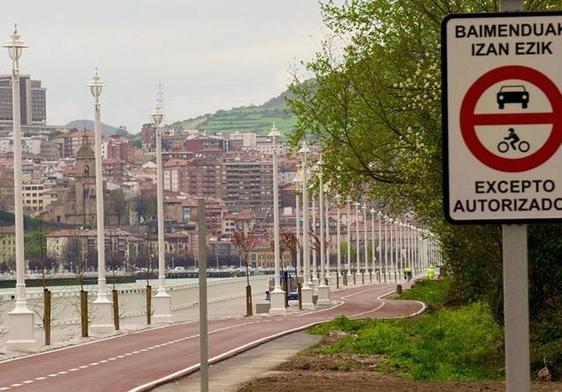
[(502, 117)]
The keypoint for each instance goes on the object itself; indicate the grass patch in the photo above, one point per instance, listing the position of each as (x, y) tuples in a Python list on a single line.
[(432, 292), (444, 344), (463, 344)]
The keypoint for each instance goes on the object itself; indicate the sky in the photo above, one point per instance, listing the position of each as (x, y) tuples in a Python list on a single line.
[(208, 54)]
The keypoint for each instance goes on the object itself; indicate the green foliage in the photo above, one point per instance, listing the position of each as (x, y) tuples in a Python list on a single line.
[(247, 118), (463, 344)]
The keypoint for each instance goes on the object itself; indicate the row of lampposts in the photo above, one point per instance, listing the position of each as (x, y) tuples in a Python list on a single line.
[(396, 247), (21, 319)]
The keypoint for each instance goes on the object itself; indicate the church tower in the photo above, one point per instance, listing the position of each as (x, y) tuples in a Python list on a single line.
[(84, 170)]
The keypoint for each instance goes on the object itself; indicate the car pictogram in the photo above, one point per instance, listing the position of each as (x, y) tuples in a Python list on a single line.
[(513, 94)]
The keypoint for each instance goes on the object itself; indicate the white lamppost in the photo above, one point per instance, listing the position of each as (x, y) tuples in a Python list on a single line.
[(379, 217), (162, 300), (323, 289), (357, 250), (386, 237), (397, 250), (20, 319), (338, 239), (349, 276), (365, 241), (373, 247), (315, 280), (102, 305), (327, 233), (277, 295), (392, 247), (306, 288), (296, 181)]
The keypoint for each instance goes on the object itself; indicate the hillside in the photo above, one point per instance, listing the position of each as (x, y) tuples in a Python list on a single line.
[(246, 118), (107, 129)]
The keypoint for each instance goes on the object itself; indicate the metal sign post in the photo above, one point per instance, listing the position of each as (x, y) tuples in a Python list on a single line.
[(203, 329), (515, 291), (502, 127)]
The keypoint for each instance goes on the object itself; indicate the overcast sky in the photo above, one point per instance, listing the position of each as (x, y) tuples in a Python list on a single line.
[(208, 54)]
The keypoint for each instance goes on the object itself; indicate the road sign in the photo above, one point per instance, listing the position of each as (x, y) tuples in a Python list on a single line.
[(502, 117)]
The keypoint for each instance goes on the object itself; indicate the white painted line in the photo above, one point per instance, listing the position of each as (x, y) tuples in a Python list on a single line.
[(40, 378), (52, 375), (27, 381), (15, 385)]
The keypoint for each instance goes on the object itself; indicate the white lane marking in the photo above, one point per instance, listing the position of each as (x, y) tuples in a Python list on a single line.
[(368, 311), (15, 385), (52, 375), (39, 379), (4, 388), (27, 381)]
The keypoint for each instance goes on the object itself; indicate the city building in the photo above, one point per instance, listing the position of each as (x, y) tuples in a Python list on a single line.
[(148, 132), (7, 244), (69, 142), (33, 102), (248, 183), (116, 243), (37, 196)]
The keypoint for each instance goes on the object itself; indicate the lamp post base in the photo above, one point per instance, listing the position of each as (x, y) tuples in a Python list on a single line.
[(324, 295), (20, 331), (358, 276), (277, 302), (307, 302), (162, 303), (102, 310)]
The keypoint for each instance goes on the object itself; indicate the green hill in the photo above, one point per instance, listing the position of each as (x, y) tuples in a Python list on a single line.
[(246, 118)]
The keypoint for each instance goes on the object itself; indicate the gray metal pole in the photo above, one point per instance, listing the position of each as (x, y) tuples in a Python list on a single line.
[(516, 308), (515, 290), (203, 338)]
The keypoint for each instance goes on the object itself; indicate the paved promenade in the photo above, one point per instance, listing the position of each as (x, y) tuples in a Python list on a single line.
[(132, 361)]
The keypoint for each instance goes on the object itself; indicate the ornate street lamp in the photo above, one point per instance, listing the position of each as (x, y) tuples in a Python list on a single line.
[(277, 295), (338, 239), (357, 250), (306, 288), (102, 305), (162, 300), (323, 289), (20, 319)]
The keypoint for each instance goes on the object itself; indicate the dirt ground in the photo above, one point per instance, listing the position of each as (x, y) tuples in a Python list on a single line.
[(342, 373)]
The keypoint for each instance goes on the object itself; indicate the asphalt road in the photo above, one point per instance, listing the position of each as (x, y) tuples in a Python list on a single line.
[(125, 362)]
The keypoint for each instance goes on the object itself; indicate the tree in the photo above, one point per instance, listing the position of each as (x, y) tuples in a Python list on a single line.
[(244, 241), (374, 107), (145, 207)]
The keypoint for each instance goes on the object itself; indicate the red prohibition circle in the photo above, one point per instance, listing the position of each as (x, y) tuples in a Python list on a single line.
[(469, 120)]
